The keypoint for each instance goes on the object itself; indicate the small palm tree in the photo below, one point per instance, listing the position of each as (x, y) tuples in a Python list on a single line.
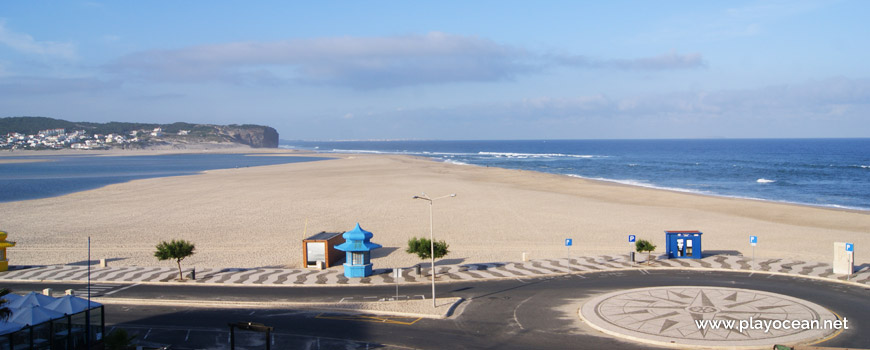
[(5, 312), (643, 245), (177, 250)]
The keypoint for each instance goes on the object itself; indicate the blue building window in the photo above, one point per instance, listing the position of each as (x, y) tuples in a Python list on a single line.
[(357, 258)]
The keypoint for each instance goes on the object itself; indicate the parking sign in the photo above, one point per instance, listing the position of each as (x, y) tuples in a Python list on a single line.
[(631, 238), (850, 247), (568, 242), (753, 240)]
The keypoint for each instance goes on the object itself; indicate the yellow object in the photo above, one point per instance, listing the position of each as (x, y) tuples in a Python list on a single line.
[(4, 263)]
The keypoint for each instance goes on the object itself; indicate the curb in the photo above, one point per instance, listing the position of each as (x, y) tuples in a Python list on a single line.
[(308, 306)]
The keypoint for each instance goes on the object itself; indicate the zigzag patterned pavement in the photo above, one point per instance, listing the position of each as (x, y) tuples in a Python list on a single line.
[(467, 272)]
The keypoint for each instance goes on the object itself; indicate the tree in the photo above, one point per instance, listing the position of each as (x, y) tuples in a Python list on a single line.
[(5, 312), (643, 245), (422, 247), (119, 340), (177, 250)]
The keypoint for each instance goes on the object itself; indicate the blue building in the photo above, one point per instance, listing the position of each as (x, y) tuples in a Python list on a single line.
[(358, 248), (683, 244)]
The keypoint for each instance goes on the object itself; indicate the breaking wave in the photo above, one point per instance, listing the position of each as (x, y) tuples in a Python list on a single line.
[(538, 155)]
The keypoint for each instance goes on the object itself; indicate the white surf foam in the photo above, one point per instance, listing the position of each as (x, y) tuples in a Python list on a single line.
[(765, 181), (641, 183), (707, 193), (537, 155), (451, 161)]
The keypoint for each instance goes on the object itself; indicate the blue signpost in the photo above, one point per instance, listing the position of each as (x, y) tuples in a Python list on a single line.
[(850, 248), (631, 240), (753, 241), (568, 243)]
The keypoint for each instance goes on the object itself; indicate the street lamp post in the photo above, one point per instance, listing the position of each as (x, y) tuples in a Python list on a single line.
[(432, 237)]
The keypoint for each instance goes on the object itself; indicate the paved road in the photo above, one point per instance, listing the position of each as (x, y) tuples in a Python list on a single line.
[(500, 314)]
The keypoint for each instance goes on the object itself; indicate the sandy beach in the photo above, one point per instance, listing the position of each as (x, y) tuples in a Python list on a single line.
[(257, 217)]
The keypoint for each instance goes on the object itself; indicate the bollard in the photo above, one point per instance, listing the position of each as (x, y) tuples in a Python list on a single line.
[(525, 257), (418, 269), (193, 274), (103, 263), (47, 291), (69, 292)]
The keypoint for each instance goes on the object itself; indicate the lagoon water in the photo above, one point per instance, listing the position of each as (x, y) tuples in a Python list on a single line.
[(819, 172), (59, 175)]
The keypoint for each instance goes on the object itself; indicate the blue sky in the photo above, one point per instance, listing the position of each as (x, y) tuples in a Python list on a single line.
[(447, 70)]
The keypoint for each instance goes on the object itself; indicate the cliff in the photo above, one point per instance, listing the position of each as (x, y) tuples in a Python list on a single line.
[(252, 135)]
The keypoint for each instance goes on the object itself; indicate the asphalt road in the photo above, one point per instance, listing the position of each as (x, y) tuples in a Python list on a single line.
[(538, 313)]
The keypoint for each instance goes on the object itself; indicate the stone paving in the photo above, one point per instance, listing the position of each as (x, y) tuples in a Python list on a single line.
[(466, 272), (671, 316)]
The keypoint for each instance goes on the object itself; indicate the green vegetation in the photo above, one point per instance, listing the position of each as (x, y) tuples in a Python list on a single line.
[(643, 245), (422, 248), (177, 250), (32, 126), (119, 340)]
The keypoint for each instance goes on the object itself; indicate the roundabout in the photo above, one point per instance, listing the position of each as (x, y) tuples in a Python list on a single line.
[(709, 317)]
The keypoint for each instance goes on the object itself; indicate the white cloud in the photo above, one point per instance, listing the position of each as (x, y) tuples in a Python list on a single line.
[(376, 62), (26, 44), (365, 62), (668, 61), (16, 86), (836, 107)]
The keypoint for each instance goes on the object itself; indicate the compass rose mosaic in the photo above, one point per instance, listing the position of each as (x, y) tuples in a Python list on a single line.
[(672, 315)]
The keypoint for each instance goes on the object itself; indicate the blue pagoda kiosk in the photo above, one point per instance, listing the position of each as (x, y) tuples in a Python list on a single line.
[(358, 247)]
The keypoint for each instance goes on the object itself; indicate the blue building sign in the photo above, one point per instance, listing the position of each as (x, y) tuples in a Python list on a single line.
[(683, 244)]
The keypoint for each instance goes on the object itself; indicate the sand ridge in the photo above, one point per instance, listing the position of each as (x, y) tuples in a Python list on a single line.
[(258, 216)]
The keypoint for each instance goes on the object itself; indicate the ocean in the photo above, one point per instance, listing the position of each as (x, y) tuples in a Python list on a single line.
[(819, 172), (62, 174)]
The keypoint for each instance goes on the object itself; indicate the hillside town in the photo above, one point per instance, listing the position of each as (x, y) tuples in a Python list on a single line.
[(77, 139)]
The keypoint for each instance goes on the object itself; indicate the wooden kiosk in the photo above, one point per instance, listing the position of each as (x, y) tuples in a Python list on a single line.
[(321, 248)]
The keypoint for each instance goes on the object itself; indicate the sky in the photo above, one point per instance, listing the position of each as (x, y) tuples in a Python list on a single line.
[(450, 70)]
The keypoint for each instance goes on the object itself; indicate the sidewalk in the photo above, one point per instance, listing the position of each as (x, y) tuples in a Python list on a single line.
[(466, 272)]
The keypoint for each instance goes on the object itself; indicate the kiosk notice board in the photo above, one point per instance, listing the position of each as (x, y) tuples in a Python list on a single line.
[(321, 247), (683, 244)]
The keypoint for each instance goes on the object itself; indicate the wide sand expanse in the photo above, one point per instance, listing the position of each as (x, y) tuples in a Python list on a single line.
[(257, 217)]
